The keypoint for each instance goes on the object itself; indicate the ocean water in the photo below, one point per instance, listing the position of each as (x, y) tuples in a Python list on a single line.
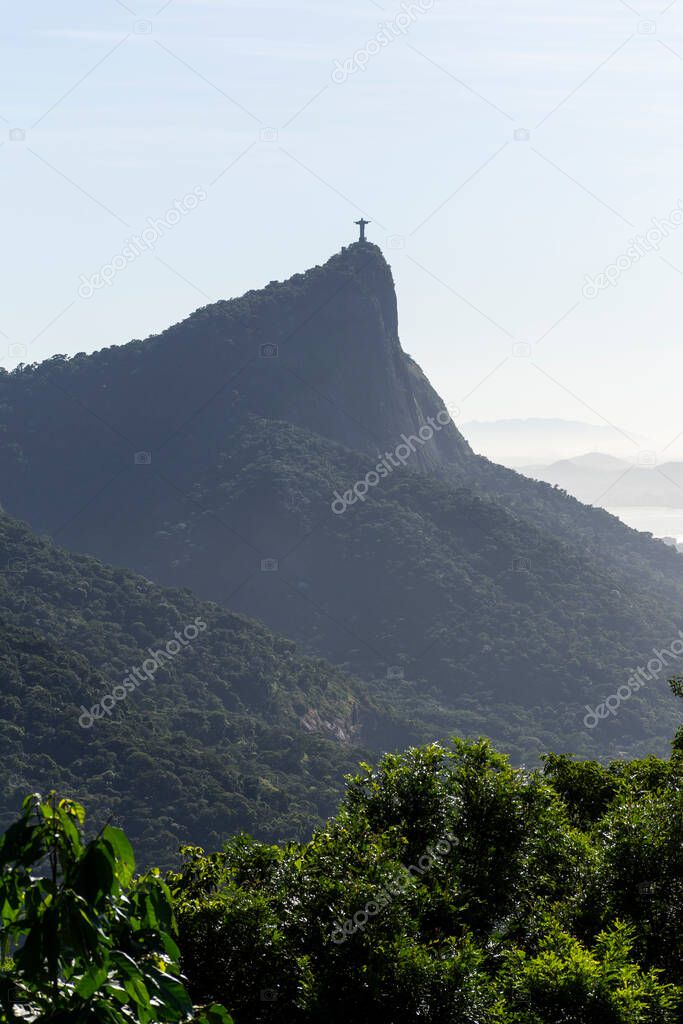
[(662, 522)]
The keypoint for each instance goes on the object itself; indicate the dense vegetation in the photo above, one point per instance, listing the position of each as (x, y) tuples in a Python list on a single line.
[(77, 943), (237, 731), (505, 605), (449, 888), (452, 889)]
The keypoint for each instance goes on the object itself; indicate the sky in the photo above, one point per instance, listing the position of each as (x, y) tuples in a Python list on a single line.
[(507, 153)]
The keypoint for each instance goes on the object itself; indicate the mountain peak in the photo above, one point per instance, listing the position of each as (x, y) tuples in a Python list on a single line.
[(320, 350), (362, 250), (360, 267), (323, 352)]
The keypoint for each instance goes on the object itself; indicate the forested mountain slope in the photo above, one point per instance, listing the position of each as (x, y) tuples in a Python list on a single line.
[(466, 597), (229, 728)]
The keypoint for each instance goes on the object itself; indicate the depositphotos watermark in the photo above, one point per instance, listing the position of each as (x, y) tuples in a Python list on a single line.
[(139, 244), (388, 32), (394, 888), (639, 247), (390, 462), (142, 674), (635, 682)]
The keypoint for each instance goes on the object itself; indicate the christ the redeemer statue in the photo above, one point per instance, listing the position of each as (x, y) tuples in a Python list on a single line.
[(362, 223)]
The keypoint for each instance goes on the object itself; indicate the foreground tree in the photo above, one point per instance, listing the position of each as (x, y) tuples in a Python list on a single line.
[(78, 941), (453, 889)]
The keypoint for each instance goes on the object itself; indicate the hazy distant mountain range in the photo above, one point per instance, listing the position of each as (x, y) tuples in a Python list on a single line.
[(600, 479), (280, 456), (521, 442)]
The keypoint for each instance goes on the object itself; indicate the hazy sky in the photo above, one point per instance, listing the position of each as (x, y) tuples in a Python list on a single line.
[(503, 150)]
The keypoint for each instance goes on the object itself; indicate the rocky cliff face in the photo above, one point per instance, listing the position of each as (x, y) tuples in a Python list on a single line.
[(322, 351), (347, 353)]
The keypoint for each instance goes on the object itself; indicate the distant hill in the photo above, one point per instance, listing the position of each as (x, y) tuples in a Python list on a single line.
[(598, 462), (517, 442), (464, 596), (600, 479)]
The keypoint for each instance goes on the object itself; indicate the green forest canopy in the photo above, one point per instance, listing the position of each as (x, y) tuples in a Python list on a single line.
[(453, 889), (449, 888)]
